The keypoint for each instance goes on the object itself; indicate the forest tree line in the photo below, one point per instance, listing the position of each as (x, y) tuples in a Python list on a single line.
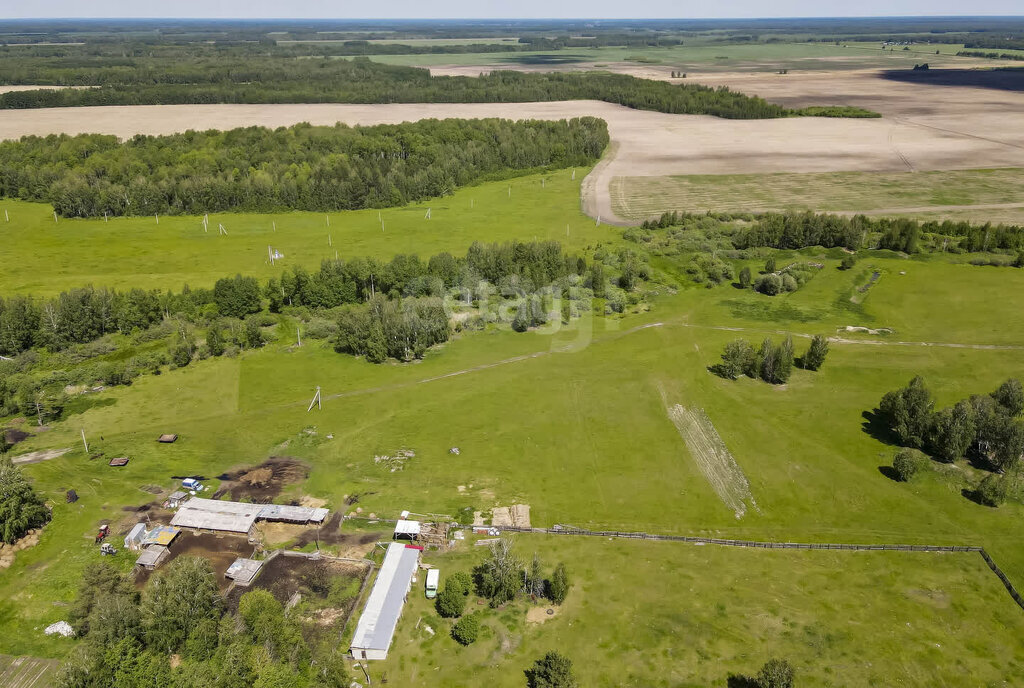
[(300, 167), (801, 230), (272, 80), (377, 309)]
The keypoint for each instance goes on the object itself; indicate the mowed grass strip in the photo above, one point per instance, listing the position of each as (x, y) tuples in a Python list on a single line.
[(669, 614), (639, 198)]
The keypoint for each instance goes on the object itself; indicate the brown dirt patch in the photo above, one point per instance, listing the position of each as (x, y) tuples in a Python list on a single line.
[(283, 576), (263, 483), (220, 551), (13, 435)]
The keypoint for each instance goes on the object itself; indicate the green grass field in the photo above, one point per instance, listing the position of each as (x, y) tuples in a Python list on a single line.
[(704, 57), (574, 423), (641, 197), (44, 257), (649, 614)]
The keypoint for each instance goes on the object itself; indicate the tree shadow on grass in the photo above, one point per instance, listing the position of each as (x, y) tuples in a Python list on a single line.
[(890, 473), (741, 681), (83, 403), (543, 59), (874, 425), (973, 495)]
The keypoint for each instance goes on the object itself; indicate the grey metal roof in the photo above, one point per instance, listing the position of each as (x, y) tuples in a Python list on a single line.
[(243, 570), (151, 556), (211, 514), (377, 623), (238, 517)]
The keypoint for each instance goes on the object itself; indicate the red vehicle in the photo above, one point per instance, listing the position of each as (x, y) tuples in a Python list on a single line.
[(104, 531)]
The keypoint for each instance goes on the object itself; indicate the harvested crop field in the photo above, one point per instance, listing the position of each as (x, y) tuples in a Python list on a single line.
[(262, 483), (713, 458), (843, 192), (936, 128)]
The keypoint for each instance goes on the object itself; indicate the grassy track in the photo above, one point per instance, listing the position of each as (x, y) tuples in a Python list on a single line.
[(574, 424), (44, 257), (641, 197)]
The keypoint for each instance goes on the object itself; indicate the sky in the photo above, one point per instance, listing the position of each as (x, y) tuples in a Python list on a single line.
[(486, 9)]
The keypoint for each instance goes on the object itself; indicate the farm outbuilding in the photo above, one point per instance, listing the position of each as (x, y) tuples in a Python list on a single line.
[(133, 540), (176, 499), (406, 529), (238, 517), (161, 535), (377, 624), (152, 556), (243, 570)]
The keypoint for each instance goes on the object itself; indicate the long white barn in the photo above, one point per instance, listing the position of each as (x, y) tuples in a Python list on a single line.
[(376, 626)]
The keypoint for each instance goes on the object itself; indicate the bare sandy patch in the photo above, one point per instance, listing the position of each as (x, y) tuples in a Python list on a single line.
[(538, 615), (41, 455)]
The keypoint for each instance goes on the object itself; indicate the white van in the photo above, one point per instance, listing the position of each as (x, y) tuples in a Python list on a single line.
[(192, 484), (433, 578)]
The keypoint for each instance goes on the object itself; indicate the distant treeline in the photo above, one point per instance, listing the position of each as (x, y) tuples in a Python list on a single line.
[(800, 230), (268, 80), (300, 167), (991, 56)]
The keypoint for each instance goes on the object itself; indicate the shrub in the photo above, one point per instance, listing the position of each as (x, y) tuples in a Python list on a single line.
[(558, 588), (849, 260), (992, 490), (770, 284), (460, 581), (907, 463), (816, 353), (466, 629), (181, 356), (776, 673), (450, 602), (553, 671), (745, 280)]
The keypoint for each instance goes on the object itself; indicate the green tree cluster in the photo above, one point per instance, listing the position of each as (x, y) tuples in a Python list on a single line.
[(772, 363), (21, 509), (300, 167), (128, 639), (985, 428), (554, 670)]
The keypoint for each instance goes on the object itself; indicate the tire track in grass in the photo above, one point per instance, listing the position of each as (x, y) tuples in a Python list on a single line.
[(713, 458)]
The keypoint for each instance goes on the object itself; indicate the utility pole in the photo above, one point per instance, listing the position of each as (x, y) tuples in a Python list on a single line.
[(84, 442)]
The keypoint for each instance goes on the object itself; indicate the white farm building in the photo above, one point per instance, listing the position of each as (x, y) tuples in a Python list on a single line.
[(376, 626)]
